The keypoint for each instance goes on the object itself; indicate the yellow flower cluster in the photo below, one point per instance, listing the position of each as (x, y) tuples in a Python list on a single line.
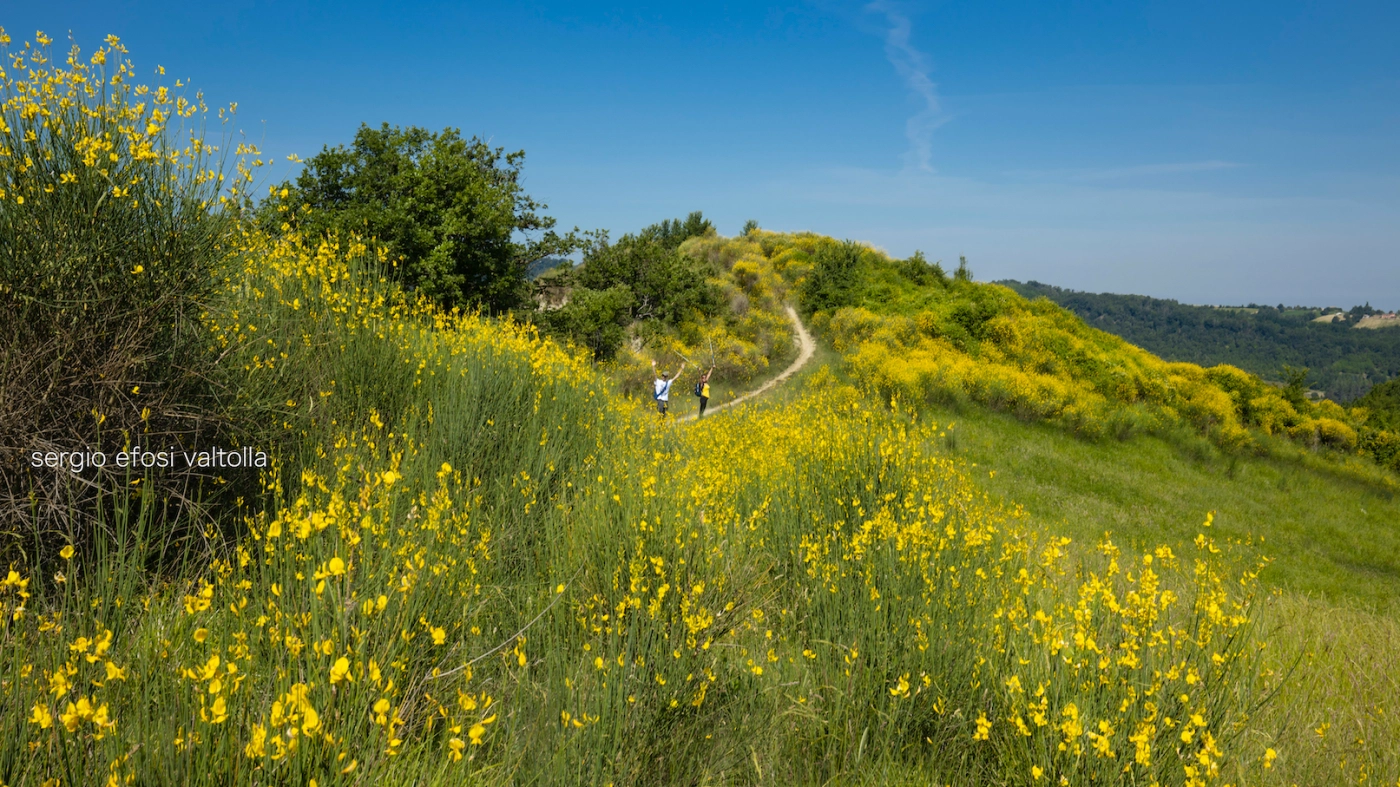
[(86, 122), (918, 597)]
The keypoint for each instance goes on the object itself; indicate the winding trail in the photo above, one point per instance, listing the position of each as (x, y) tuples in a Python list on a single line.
[(806, 349)]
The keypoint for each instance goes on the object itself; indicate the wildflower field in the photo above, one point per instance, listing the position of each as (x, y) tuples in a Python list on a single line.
[(473, 561)]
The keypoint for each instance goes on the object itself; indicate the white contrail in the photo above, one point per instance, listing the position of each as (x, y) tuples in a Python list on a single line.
[(913, 67)]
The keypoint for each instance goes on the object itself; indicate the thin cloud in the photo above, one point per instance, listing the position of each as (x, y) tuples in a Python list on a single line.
[(913, 67), (1155, 169), (1122, 173)]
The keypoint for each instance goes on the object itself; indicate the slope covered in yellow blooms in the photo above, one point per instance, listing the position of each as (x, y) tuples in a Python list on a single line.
[(797, 593), (910, 331), (780, 596)]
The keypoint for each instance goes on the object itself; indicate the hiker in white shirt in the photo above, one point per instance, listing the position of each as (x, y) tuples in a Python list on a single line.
[(662, 386)]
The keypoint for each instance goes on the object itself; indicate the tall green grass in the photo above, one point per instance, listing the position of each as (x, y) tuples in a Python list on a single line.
[(1328, 532)]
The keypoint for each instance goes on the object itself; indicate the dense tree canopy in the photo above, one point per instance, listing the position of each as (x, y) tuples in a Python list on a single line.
[(835, 278), (640, 280), (452, 210), (665, 284), (1383, 402), (1344, 361)]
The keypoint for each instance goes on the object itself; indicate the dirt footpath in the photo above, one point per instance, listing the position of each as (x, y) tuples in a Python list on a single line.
[(806, 348)]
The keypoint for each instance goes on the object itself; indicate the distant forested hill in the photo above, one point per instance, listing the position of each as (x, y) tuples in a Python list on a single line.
[(1344, 362), (544, 265)]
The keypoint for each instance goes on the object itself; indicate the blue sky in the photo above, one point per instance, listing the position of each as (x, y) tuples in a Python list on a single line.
[(1221, 152)]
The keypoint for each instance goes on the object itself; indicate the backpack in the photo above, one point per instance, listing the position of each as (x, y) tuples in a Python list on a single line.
[(699, 389)]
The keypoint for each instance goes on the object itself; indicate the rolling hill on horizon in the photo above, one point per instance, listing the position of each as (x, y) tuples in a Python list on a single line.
[(1343, 362)]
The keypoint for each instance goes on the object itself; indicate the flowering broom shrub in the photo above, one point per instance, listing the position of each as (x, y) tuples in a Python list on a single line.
[(115, 216), (847, 596)]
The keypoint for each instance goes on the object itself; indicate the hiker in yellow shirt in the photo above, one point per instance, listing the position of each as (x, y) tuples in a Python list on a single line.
[(702, 390)]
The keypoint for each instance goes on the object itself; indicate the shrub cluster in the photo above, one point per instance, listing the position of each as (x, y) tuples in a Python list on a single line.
[(116, 214)]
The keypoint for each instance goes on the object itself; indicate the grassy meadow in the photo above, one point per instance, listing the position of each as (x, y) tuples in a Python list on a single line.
[(475, 559), (1333, 612), (406, 603), (1329, 535)]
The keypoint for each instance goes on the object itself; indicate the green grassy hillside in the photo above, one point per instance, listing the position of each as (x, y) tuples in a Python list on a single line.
[(1332, 542), (799, 592), (1332, 602), (1324, 523), (1342, 361), (1329, 535)]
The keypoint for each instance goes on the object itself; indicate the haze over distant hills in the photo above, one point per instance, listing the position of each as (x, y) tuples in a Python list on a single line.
[(544, 264), (1344, 362)]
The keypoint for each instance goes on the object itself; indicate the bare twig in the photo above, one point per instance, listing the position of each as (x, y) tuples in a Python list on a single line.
[(511, 638)]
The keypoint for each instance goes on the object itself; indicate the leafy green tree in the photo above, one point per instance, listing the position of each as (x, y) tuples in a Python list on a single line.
[(642, 280), (1295, 385), (963, 273), (673, 232), (452, 210), (920, 271), (835, 276), (1383, 402), (596, 319), (666, 285), (749, 226)]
